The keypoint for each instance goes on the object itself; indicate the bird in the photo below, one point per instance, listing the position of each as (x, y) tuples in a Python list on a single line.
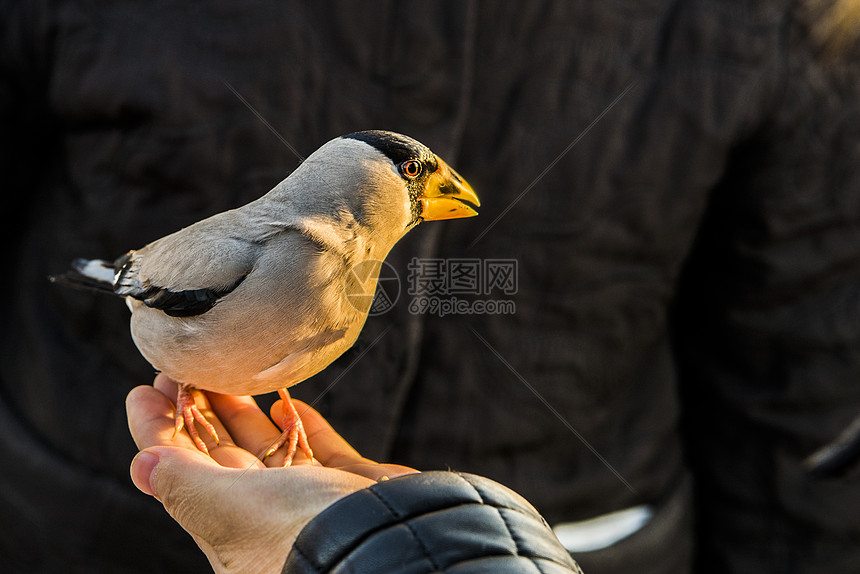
[(259, 298)]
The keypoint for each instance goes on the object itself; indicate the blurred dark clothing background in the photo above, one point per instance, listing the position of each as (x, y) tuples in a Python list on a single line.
[(688, 272)]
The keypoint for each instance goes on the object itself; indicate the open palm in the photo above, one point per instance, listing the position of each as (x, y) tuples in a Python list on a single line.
[(244, 513)]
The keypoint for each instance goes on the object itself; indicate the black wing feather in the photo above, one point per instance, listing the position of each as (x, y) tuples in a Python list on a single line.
[(185, 303)]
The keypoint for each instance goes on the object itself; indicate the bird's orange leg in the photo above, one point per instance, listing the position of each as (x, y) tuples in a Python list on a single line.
[(294, 435), (187, 413)]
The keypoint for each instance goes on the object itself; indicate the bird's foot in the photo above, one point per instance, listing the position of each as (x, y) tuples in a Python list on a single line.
[(294, 435), (187, 413)]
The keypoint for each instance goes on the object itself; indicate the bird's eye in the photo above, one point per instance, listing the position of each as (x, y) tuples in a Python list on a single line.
[(410, 169)]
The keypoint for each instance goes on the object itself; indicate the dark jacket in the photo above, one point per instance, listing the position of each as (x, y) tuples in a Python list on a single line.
[(430, 522), (692, 248)]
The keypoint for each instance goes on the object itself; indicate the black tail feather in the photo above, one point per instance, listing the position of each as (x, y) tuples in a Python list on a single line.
[(77, 279)]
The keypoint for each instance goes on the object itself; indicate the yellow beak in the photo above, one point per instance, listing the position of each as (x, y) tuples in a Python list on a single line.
[(446, 195)]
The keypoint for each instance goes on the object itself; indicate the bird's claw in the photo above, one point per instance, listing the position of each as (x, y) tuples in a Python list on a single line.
[(186, 415), (294, 435)]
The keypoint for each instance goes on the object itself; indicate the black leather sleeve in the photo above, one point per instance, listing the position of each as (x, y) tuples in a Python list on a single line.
[(430, 522)]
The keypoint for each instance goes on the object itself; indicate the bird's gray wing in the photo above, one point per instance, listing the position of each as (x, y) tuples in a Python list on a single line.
[(188, 272)]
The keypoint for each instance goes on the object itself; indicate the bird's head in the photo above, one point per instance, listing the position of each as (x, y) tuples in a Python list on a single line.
[(435, 191), (386, 181)]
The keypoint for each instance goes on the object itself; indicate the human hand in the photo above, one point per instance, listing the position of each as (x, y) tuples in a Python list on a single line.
[(244, 514)]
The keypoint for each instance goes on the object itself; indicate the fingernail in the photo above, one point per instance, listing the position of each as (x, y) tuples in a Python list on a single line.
[(143, 471)]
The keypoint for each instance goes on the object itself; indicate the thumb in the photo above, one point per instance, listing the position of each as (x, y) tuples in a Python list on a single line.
[(193, 487), (179, 478), (194, 490), (143, 470)]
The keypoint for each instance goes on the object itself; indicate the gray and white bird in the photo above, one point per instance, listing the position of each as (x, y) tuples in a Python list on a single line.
[(259, 298)]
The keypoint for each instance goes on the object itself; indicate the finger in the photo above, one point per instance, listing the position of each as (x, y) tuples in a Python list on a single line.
[(230, 455), (166, 385), (174, 474), (150, 419), (248, 426), (142, 467)]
